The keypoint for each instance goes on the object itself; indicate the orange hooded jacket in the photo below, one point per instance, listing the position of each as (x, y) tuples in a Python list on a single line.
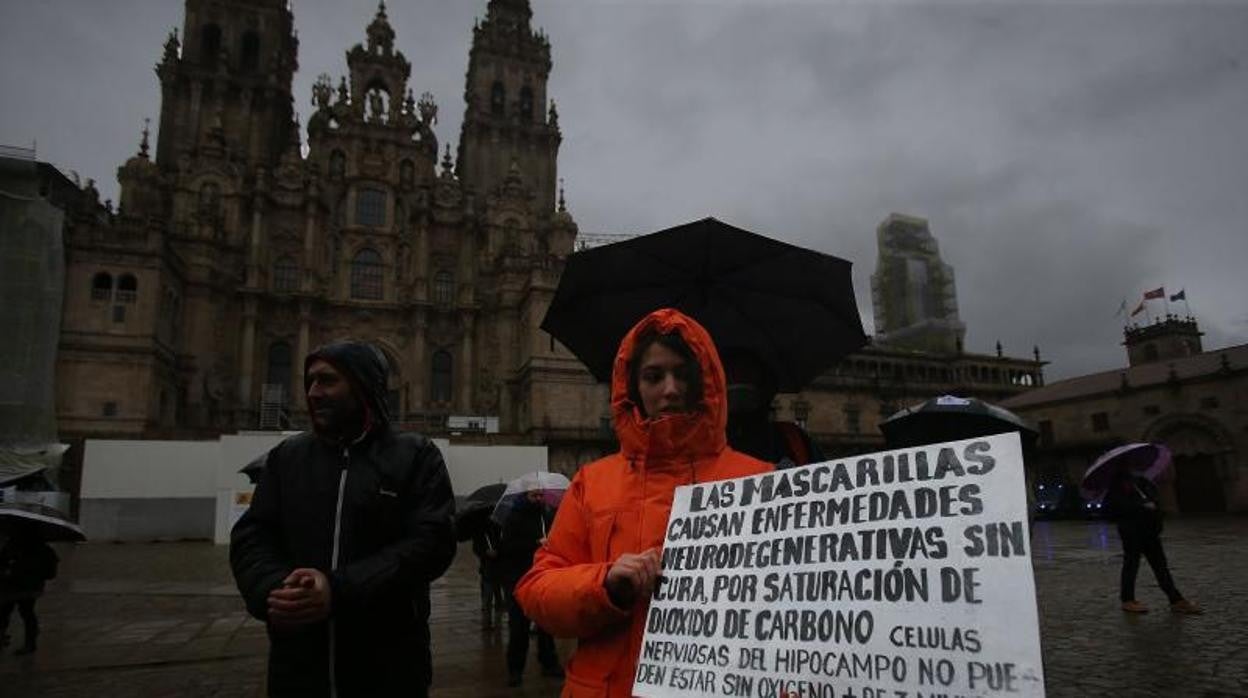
[(620, 504)]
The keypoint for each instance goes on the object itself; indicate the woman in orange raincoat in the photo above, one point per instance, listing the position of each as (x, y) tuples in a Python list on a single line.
[(594, 576)]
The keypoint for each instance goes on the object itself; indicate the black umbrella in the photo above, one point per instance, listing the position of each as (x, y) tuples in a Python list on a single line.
[(255, 468), (475, 512), (39, 521), (793, 308), (950, 418)]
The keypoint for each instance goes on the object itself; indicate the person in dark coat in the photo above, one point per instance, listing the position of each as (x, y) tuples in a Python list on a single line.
[(751, 429), (348, 525), (26, 564), (1134, 502), (485, 545), (524, 532)]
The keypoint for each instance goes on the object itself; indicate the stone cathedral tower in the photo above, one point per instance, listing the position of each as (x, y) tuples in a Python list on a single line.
[(506, 118), (236, 249)]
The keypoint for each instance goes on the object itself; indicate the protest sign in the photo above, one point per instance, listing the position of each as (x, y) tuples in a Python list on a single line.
[(901, 574)]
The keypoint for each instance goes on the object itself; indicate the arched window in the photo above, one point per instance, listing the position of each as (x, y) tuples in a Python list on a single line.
[(102, 286), (210, 44), (279, 366), (337, 165), (441, 376), (285, 275), (498, 98), (250, 60), (443, 288), (407, 174), (366, 275), (127, 288), (370, 207), (526, 102)]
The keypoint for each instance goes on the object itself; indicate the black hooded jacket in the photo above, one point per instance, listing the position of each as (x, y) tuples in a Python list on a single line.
[(375, 516)]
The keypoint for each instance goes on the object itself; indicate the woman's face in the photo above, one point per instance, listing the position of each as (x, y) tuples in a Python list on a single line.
[(662, 382)]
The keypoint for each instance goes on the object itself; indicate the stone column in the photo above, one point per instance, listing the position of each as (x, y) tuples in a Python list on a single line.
[(420, 371), (309, 245), (246, 363), (297, 404), (467, 375), (253, 249)]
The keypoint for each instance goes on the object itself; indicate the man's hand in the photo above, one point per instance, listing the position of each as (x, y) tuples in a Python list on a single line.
[(303, 599), (632, 577)]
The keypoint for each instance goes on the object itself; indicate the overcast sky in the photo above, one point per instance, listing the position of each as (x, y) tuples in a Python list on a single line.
[(1068, 155)]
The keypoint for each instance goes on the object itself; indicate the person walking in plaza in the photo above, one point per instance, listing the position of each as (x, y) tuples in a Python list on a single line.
[(1134, 502), (348, 525), (751, 427), (485, 545), (26, 564), (524, 531), (594, 576)]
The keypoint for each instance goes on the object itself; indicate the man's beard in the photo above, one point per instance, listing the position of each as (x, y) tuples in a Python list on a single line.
[(337, 418)]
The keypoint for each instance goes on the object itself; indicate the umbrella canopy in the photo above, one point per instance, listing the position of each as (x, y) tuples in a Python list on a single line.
[(18, 462), (255, 468), (949, 418), (39, 521), (476, 510), (1146, 460), (551, 486), (793, 308)]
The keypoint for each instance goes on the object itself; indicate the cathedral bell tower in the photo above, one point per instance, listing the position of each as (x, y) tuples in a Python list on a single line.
[(229, 74), (506, 118)]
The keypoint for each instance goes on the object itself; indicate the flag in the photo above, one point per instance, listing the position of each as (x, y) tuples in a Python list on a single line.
[(1180, 296), (1159, 292), (1122, 309), (1138, 309)]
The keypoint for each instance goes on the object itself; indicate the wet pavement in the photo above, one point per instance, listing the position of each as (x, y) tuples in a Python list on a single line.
[(164, 619)]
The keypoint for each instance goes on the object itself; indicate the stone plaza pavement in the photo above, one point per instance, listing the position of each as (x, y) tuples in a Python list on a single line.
[(163, 619)]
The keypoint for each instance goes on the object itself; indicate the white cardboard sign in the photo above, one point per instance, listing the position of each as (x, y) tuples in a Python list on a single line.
[(900, 574)]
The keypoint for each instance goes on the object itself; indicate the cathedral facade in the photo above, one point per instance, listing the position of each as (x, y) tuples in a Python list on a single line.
[(236, 249), (243, 241)]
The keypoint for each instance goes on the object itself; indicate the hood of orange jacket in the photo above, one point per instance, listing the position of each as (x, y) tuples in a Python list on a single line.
[(694, 435)]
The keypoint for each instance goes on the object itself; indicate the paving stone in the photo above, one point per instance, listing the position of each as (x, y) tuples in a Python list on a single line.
[(164, 620)]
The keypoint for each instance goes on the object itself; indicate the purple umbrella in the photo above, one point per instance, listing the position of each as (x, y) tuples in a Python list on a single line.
[(1145, 460)]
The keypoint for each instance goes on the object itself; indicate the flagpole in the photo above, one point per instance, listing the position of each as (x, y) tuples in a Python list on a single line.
[(1166, 297), (1185, 305)]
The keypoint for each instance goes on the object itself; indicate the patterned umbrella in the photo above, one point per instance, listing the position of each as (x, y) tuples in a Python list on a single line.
[(551, 486), (1145, 460)]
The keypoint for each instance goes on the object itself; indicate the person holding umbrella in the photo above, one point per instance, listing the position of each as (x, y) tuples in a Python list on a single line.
[(595, 574), (523, 532), (1133, 500), (26, 563)]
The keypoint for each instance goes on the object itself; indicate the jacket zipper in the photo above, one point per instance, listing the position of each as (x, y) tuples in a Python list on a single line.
[(333, 566)]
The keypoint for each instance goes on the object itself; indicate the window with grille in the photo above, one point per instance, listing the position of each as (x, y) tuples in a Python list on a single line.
[(285, 275), (853, 422), (366, 275), (370, 207), (443, 288), (102, 286), (127, 288), (441, 382)]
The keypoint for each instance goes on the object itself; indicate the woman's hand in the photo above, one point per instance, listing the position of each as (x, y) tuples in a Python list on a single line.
[(632, 576)]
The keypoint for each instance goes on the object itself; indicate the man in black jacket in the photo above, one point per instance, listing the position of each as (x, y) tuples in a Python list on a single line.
[(348, 525)]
